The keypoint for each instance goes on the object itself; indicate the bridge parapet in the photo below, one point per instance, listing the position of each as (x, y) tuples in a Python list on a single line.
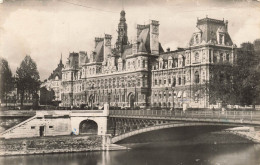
[(242, 117)]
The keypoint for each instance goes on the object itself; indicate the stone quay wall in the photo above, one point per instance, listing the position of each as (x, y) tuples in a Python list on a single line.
[(42, 145)]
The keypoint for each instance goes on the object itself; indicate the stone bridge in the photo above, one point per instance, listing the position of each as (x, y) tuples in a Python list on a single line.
[(121, 124), (127, 123)]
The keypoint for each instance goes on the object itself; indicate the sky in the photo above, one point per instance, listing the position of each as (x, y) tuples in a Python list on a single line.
[(45, 29)]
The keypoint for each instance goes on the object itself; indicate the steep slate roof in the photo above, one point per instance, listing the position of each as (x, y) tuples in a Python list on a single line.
[(174, 54), (209, 28), (83, 58), (127, 51), (74, 60), (99, 57), (57, 72), (144, 41)]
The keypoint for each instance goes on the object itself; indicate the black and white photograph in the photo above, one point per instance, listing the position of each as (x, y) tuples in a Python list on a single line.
[(129, 82)]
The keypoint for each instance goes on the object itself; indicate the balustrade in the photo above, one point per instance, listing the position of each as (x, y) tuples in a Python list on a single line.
[(220, 115)]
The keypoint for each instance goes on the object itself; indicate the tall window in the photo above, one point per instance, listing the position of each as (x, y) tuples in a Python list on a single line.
[(197, 77), (214, 58), (227, 57), (169, 81), (155, 82), (197, 38), (221, 58), (221, 37), (174, 81), (197, 57), (179, 80)]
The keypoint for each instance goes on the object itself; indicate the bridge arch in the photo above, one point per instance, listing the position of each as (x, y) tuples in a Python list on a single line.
[(165, 126), (97, 125), (88, 127)]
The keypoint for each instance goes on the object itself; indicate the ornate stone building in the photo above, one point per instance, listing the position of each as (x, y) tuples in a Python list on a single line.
[(178, 76), (141, 73), (54, 81)]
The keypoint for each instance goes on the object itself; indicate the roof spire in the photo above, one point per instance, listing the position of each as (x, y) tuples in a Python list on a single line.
[(60, 58)]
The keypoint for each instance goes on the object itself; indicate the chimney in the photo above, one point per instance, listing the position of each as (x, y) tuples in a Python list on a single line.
[(107, 45), (168, 49), (154, 36), (226, 25)]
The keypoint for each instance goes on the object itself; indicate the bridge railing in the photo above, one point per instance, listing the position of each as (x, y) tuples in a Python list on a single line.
[(236, 115)]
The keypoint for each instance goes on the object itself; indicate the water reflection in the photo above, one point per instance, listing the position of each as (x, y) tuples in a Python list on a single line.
[(151, 154)]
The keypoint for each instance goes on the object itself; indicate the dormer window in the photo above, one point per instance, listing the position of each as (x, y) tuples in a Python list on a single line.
[(197, 56), (221, 38), (197, 38)]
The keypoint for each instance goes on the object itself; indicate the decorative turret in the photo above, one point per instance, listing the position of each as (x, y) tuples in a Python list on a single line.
[(122, 32)]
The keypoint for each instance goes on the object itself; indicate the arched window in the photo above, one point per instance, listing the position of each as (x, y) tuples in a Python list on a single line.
[(197, 77)]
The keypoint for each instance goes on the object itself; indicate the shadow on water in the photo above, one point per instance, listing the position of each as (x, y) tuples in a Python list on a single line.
[(168, 148)]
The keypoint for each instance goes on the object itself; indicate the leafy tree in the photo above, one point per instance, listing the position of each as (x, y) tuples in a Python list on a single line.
[(219, 87), (235, 84), (46, 96), (220, 84), (6, 79), (27, 78), (247, 75)]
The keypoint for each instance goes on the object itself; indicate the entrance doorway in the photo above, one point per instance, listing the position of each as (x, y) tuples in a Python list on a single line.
[(41, 130), (91, 101), (131, 100)]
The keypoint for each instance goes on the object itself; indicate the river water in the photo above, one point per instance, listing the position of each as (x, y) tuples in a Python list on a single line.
[(163, 153)]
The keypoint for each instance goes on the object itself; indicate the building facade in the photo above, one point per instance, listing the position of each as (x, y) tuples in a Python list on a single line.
[(54, 82), (141, 74)]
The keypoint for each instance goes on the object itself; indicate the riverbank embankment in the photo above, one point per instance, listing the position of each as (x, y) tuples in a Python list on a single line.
[(57, 144)]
